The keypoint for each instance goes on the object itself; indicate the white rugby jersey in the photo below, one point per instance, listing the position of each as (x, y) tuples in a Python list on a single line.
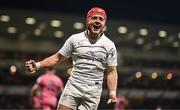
[(89, 59)]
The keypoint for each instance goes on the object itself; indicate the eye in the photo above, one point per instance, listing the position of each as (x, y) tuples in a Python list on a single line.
[(94, 17), (101, 19)]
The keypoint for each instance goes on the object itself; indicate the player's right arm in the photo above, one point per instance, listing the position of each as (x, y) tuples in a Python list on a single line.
[(62, 54), (54, 59)]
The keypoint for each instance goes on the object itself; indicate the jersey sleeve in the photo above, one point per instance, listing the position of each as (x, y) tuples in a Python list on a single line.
[(112, 56), (67, 48)]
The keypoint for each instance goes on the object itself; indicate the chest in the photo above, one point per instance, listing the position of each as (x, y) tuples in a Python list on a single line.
[(85, 48)]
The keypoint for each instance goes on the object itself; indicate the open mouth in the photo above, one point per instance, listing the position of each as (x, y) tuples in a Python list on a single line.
[(96, 27)]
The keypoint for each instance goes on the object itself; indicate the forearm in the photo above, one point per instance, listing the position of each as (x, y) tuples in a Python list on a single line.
[(51, 61), (112, 79)]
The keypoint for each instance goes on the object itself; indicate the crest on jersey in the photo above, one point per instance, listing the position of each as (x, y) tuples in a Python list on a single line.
[(112, 52)]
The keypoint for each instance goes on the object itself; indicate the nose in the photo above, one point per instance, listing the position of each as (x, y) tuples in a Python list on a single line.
[(98, 21)]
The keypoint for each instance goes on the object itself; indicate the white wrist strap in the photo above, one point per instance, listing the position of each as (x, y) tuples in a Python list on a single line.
[(38, 65), (112, 93)]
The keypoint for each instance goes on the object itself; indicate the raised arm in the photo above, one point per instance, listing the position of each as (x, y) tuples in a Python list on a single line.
[(54, 59), (112, 78)]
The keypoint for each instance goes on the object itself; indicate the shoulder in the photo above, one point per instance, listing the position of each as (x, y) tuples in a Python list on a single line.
[(40, 78), (77, 35), (107, 40)]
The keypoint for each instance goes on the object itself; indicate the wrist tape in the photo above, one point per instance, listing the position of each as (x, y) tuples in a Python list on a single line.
[(112, 93), (38, 65)]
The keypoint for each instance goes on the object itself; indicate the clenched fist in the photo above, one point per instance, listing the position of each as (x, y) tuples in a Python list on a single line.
[(31, 66), (112, 100), (112, 97)]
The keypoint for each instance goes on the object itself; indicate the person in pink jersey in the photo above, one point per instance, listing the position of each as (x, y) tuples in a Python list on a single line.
[(46, 90)]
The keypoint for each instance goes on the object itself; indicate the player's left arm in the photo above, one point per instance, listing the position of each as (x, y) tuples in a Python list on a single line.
[(112, 79)]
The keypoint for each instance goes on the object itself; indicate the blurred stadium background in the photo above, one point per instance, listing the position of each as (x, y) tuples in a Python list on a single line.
[(147, 36)]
